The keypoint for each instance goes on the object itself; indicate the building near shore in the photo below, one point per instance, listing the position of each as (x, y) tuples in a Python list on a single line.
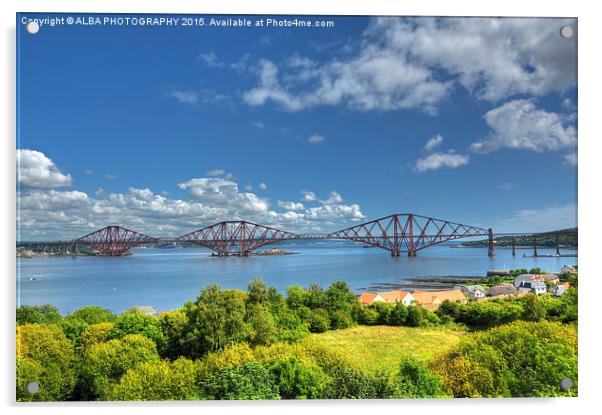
[(433, 299), (522, 278), (474, 292), (502, 290), (367, 298), (391, 297)]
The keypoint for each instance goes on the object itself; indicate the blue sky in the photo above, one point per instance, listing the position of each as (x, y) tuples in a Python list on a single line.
[(166, 129)]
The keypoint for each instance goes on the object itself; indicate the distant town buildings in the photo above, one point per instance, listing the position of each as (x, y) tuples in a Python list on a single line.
[(474, 292), (428, 299), (502, 290)]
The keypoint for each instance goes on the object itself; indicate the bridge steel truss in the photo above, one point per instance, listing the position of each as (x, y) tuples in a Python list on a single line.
[(397, 233), (409, 233), (236, 237), (114, 240)]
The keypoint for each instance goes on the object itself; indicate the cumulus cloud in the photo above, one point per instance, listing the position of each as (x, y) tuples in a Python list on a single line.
[(404, 63), (308, 196), (290, 205), (520, 124), (35, 170), (262, 186), (433, 142), (507, 186), (216, 172), (437, 160)]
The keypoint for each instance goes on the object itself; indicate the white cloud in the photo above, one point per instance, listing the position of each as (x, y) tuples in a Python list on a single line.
[(290, 205), (540, 220), (262, 186), (259, 124), (333, 198), (185, 97), (308, 196), (433, 142), (570, 159), (507, 186), (437, 160), (35, 170), (519, 124), (315, 138), (110, 176), (216, 172), (88, 172), (404, 63)]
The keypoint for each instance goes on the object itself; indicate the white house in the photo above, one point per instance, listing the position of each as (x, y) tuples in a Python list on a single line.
[(538, 287), (474, 292)]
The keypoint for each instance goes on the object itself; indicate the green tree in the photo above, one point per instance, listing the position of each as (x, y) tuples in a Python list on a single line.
[(534, 308), (295, 297), (94, 334), (157, 380), (398, 315), (42, 314), (172, 327), (249, 381), (104, 363), (46, 356), (521, 359), (215, 320), (258, 292), (296, 378), (92, 315), (415, 381), (73, 328), (135, 322), (320, 322), (262, 327)]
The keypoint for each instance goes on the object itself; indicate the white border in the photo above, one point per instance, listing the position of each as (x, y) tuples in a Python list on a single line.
[(589, 194)]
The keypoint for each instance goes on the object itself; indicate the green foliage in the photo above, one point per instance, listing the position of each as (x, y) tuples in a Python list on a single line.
[(518, 359), (46, 356), (41, 314), (383, 310), (414, 380), (135, 322), (94, 334), (420, 317), (262, 327), (215, 320), (172, 326), (482, 313), (249, 381), (104, 363), (535, 309), (296, 378), (320, 322), (368, 315), (157, 380), (92, 315), (398, 315), (73, 328)]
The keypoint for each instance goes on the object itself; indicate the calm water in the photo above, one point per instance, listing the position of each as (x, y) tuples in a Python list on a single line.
[(166, 278)]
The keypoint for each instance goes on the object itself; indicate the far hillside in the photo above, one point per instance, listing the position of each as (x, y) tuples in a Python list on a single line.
[(547, 239)]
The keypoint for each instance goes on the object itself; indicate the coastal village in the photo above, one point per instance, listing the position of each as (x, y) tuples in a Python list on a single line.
[(540, 284)]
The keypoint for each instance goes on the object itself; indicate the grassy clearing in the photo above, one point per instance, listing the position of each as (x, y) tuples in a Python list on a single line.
[(382, 347)]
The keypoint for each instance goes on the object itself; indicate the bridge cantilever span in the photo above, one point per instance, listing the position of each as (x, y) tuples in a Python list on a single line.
[(236, 237), (409, 233), (114, 240)]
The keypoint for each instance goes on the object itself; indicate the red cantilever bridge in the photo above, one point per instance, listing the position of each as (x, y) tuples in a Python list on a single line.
[(397, 233)]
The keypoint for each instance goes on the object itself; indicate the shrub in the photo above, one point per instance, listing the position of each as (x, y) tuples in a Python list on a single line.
[(518, 359), (534, 308), (40, 314), (157, 380), (46, 356), (340, 319), (415, 381), (249, 381), (320, 322), (104, 363), (398, 315), (297, 379)]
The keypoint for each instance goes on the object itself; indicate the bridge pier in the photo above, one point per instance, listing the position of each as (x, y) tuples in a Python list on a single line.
[(395, 252), (513, 246), (411, 253), (490, 252), (557, 245), (534, 245)]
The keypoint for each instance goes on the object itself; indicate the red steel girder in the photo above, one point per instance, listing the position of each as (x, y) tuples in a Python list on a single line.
[(236, 237), (114, 240), (407, 232)]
